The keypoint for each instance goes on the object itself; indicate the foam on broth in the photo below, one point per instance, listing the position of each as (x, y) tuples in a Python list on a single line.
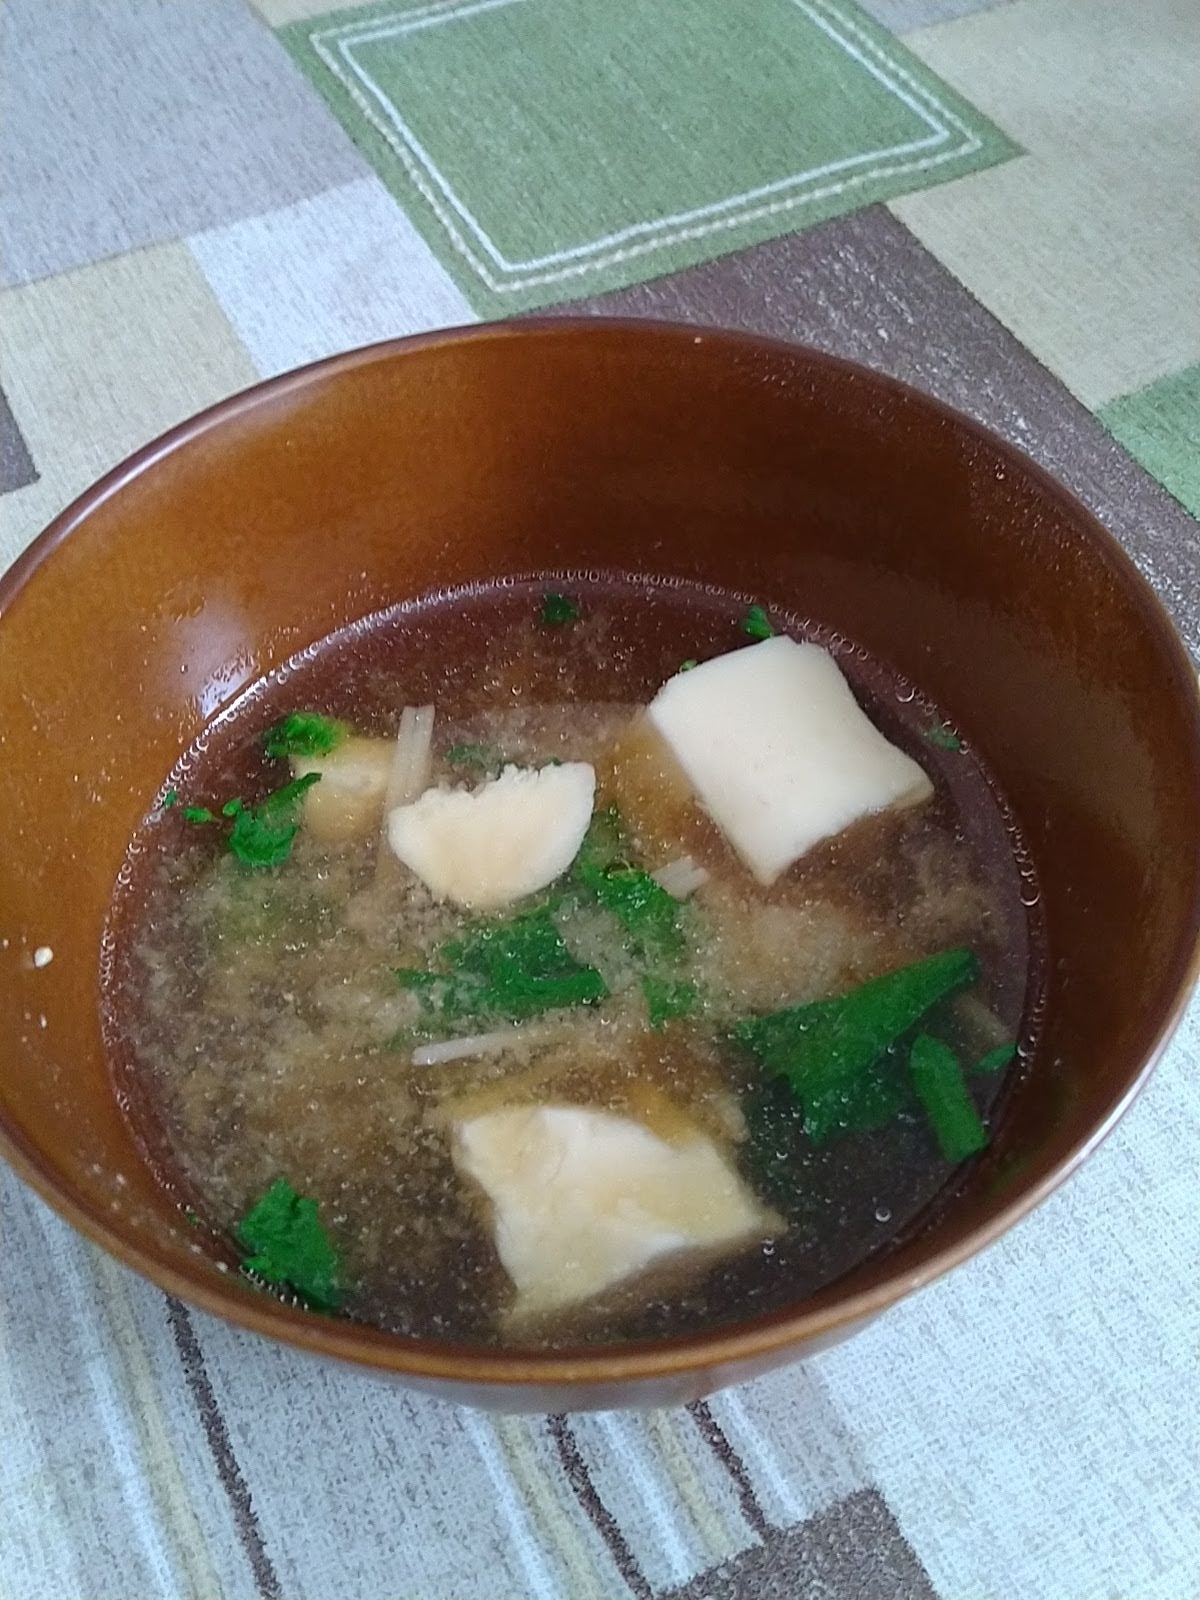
[(257, 1029)]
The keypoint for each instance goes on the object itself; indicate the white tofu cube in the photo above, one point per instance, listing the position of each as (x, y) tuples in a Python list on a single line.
[(582, 1198), (487, 847), (779, 752), (348, 801)]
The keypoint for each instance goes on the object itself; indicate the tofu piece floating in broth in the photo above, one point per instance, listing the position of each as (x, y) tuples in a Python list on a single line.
[(779, 752), (348, 802), (583, 1199), (486, 847)]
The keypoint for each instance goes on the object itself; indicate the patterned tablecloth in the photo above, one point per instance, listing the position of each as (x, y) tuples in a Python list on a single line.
[(998, 203)]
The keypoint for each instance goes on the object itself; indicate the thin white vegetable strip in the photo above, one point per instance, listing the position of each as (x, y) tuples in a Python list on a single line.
[(413, 760), (412, 767), (475, 1044), (982, 1021)]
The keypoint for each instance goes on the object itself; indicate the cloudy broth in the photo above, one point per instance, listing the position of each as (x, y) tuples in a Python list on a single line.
[(262, 1029)]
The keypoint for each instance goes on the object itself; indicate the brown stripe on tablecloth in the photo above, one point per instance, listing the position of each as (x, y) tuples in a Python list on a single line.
[(16, 464), (249, 1533), (853, 1549), (598, 1514), (864, 287), (715, 1438)]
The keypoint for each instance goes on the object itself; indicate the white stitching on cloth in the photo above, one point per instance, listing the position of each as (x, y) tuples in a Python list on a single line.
[(405, 145)]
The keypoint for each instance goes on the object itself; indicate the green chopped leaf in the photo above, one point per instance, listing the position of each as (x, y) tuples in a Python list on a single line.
[(416, 978), (262, 835), (286, 1243), (192, 1218), (939, 734), (666, 999), (514, 969), (757, 624), (558, 610), (943, 1092), (650, 916), (169, 799), (304, 733), (862, 1105), (995, 1060), (444, 995), (827, 1041), (525, 966), (777, 1123), (823, 1049), (484, 756), (604, 844), (689, 664)]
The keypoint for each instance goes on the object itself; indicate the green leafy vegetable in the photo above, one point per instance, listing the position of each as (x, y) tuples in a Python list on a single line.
[(649, 915), (943, 1092), (667, 999), (286, 1243), (776, 1121), (192, 1218), (825, 1050), (776, 1116), (422, 982), (446, 996), (525, 966), (262, 835), (689, 664), (865, 1103), (304, 733), (558, 610), (169, 799), (652, 920), (995, 1060), (828, 1041), (757, 624), (604, 845), (484, 756), (939, 734), (515, 969)]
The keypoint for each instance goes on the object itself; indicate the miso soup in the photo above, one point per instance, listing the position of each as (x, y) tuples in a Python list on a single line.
[(570, 960)]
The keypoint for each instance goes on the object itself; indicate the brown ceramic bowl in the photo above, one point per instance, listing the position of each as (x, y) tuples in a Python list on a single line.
[(286, 512)]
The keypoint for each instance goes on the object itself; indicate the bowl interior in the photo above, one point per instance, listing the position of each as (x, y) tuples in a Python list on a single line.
[(291, 511)]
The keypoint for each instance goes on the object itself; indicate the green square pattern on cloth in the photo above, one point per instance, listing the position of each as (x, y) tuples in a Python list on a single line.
[(549, 149), (1160, 427)]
